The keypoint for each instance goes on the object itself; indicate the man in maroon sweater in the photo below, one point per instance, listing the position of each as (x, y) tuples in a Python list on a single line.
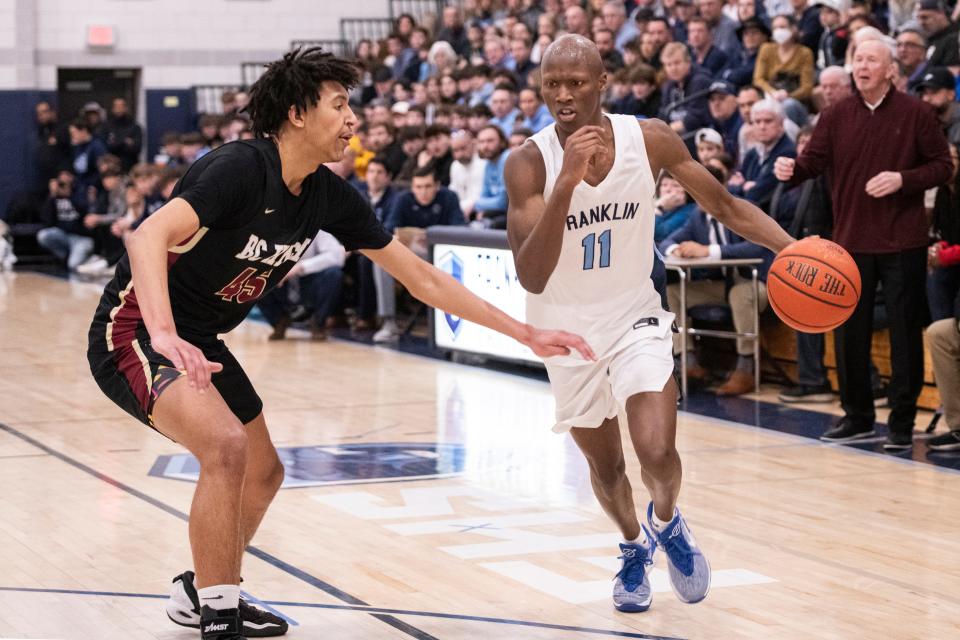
[(880, 150)]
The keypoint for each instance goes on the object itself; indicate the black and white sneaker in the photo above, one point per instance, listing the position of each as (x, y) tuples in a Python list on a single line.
[(949, 441), (898, 441), (220, 624), (848, 431), (183, 607)]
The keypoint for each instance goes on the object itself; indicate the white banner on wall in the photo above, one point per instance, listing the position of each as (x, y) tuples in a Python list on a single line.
[(489, 274)]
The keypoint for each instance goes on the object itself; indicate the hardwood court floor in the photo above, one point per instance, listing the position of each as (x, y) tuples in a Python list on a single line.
[(806, 540)]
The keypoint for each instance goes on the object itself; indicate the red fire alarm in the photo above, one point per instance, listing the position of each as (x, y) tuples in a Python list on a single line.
[(100, 36)]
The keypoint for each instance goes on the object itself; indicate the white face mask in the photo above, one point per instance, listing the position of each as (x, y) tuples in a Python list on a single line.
[(782, 35)]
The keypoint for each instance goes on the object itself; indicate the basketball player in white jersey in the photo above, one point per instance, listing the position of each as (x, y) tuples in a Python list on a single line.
[(580, 224)]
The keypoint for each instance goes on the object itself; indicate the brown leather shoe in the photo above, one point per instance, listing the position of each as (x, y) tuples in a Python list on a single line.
[(697, 373), (739, 383), (280, 329)]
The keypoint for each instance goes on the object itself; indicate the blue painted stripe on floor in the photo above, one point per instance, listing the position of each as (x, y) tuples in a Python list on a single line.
[(370, 610), (266, 607), (326, 587)]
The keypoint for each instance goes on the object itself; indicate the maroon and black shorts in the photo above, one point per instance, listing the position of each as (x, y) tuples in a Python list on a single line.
[(133, 375)]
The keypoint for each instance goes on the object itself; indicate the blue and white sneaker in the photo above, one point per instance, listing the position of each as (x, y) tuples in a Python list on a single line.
[(688, 567), (631, 589)]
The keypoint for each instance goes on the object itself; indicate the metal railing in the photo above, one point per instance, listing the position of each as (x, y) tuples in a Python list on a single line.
[(251, 71), (207, 97), (425, 12), (353, 30), (339, 48)]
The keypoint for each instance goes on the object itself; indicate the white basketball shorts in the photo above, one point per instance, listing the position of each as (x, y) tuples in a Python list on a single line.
[(589, 393)]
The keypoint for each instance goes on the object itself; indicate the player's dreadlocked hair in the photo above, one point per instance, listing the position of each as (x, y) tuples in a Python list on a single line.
[(295, 80)]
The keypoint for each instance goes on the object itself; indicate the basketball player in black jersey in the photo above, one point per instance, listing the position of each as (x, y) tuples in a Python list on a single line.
[(237, 222)]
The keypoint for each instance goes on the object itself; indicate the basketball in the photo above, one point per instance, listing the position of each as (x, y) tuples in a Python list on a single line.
[(813, 285)]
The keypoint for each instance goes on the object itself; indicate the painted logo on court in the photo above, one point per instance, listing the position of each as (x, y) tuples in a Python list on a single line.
[(343, 464), (452, 264)]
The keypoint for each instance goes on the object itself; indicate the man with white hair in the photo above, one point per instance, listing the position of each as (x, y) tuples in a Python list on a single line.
[(466, 172), (835, 86), (614, 14), (758, 181), (880, 150)]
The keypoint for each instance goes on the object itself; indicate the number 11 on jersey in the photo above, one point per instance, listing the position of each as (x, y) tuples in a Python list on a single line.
[(588, 250)]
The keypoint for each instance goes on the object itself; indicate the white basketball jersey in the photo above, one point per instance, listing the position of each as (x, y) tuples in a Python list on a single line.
[(601, 286)]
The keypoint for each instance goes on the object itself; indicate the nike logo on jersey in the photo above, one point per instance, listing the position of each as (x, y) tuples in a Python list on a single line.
[(646, 322), (269, 210), (259, 250), (220, 597)]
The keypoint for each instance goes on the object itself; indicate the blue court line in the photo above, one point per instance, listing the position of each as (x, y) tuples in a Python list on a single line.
[(326, 587), (263, 605), (366, 609)]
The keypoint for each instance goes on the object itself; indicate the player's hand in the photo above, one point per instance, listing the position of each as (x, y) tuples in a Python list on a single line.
[(581, 148), (783, 168), (186, 358), (884, 183), (556, 343)]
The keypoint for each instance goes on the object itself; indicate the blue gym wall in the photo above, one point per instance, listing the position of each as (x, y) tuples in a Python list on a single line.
[(17, 132), (17, 141)]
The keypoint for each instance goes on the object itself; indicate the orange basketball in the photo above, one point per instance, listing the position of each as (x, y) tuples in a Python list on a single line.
[(813, 285)]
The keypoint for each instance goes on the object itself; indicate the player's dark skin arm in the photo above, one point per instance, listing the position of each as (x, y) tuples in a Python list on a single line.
[(534, 225), (667, 152)]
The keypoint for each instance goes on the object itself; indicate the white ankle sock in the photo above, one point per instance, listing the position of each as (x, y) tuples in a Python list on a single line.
[(659, 524), (220, 596)]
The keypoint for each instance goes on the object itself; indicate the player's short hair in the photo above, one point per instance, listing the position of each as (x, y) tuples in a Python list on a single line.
[(674, 48), (383, 162), (423, 172), (295, 81), (435, 130), (411, 132), (171, 174)]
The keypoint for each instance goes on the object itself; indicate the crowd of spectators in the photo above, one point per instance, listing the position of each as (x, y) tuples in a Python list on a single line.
[(441, 104)]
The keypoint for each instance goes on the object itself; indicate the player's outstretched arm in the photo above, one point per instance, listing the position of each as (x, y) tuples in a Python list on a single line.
[(438, 289), (147, 249), (535, 226), (668, 153)]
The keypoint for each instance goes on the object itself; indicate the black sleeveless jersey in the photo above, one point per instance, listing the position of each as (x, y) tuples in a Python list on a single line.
[(252, 231)]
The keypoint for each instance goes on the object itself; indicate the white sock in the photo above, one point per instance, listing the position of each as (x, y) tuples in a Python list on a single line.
[(659, 524), (220, 596), (639, 540)]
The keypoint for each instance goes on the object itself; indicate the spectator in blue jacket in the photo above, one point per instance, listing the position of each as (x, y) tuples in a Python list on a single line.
[(756, 181), (673, 207), (63, 233), (706, 54), (753, 33), (685, 92), (85, 151), (536, 116), (490, 210), (725, 115), (425, 205)]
